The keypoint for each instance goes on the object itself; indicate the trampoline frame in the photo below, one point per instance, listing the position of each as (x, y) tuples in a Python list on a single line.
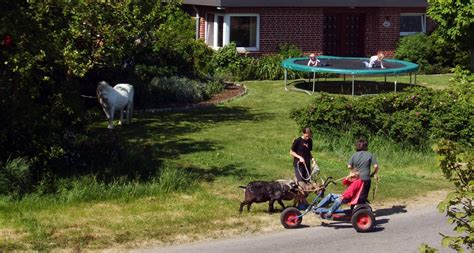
[(290, 64)]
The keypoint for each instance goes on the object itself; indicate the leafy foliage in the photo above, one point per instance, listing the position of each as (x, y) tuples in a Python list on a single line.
[(180, 90), (232, 65), (427, 249), (455, 21), (414, 117), (456, 163), (432, 53), (15, 177), (57, 51)]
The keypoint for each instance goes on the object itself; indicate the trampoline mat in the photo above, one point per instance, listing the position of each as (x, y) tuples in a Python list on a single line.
[(348, 64)]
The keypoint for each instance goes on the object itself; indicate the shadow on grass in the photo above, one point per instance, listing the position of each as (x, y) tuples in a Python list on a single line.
[(164, 130), (161, 133), (171, 124), (340, 87)]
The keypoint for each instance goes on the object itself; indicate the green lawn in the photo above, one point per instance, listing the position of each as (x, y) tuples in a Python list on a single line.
[(218, 148)]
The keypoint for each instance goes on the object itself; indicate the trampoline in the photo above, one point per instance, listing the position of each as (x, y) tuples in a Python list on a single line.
[(349, 66)]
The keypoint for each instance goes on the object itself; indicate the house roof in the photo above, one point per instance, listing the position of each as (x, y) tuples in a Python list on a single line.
[(309, 3)]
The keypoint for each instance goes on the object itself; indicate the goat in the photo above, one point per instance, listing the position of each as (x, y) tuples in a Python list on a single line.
[(118, 98), (261, 191)]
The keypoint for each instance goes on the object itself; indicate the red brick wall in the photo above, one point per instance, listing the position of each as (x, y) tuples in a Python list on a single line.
[(379, 37), (304, 27), (203, 10), (202, 27)]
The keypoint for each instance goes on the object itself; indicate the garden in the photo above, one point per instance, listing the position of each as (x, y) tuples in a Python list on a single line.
[(68, 182)]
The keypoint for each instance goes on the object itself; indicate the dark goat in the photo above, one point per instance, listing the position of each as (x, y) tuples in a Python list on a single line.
[(261, 191)]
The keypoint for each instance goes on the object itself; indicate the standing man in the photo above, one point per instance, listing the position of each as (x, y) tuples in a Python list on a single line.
[(362, 160), (302, 157)]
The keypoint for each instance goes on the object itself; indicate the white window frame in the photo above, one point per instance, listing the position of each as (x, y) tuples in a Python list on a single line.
[(226, 30), (206, 30), (215, 26), (423, 22)]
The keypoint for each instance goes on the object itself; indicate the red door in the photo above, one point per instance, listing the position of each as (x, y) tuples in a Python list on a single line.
[(344, 34)]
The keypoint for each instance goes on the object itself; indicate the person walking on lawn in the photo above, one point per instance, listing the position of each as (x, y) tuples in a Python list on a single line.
[(302, 157)]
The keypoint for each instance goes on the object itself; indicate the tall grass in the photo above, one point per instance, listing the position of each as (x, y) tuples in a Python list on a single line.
[(88, 188)]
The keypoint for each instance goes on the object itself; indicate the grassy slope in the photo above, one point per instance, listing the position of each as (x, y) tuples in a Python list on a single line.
[(221, 148)]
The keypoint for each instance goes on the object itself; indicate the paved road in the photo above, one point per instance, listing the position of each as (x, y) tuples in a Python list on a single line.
[(398, 230)]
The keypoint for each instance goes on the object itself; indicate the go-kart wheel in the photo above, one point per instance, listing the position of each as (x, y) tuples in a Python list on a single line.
[(289, 218), (363, 220)]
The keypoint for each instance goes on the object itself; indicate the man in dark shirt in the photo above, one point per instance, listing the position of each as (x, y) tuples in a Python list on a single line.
[(301, 153), (361, 161)]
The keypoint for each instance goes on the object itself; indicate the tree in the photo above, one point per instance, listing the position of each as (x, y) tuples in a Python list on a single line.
[(53, 51), (457, 162), (455, 20)]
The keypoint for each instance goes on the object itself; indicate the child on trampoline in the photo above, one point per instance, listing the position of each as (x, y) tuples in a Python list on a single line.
[(374, 59), (313, 61), (354, 185)]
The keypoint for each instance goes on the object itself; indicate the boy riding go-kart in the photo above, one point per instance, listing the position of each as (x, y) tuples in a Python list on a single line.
[(360, 215)]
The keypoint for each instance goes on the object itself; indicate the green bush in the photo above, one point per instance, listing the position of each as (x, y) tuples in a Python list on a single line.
[(415, 117), (456, 162), (15, 177), (269, 67), (225, 57), (180, 90), (231, 65), (213, 87), (287, 50), (59, 51), (432, 53)]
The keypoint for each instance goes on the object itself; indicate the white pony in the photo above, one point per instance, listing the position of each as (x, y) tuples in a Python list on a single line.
[(118, 98)]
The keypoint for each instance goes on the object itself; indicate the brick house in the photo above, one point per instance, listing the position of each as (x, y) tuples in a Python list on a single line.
[(341, 28)]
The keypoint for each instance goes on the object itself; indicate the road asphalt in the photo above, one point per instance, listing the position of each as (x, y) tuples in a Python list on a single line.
[(398, 229)]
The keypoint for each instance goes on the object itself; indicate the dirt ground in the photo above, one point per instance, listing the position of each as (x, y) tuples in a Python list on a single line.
[(230, 91)]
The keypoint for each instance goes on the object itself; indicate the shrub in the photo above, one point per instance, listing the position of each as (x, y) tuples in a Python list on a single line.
[(269, 67), (456, 162), (415, 117), (225, 57), (177, 90), (59, 51), (231, 65), (287, 50), (15, 177), (180, 90), (432, 53), (213, 87)]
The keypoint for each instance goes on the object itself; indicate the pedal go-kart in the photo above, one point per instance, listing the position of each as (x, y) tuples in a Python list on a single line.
[(360, 215)]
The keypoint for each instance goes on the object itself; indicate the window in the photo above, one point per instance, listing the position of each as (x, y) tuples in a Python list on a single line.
[(214, 30), (242, 29), (411, 23), (210, 30)]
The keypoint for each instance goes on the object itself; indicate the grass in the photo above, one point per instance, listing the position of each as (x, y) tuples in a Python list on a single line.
[(211, 151)]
